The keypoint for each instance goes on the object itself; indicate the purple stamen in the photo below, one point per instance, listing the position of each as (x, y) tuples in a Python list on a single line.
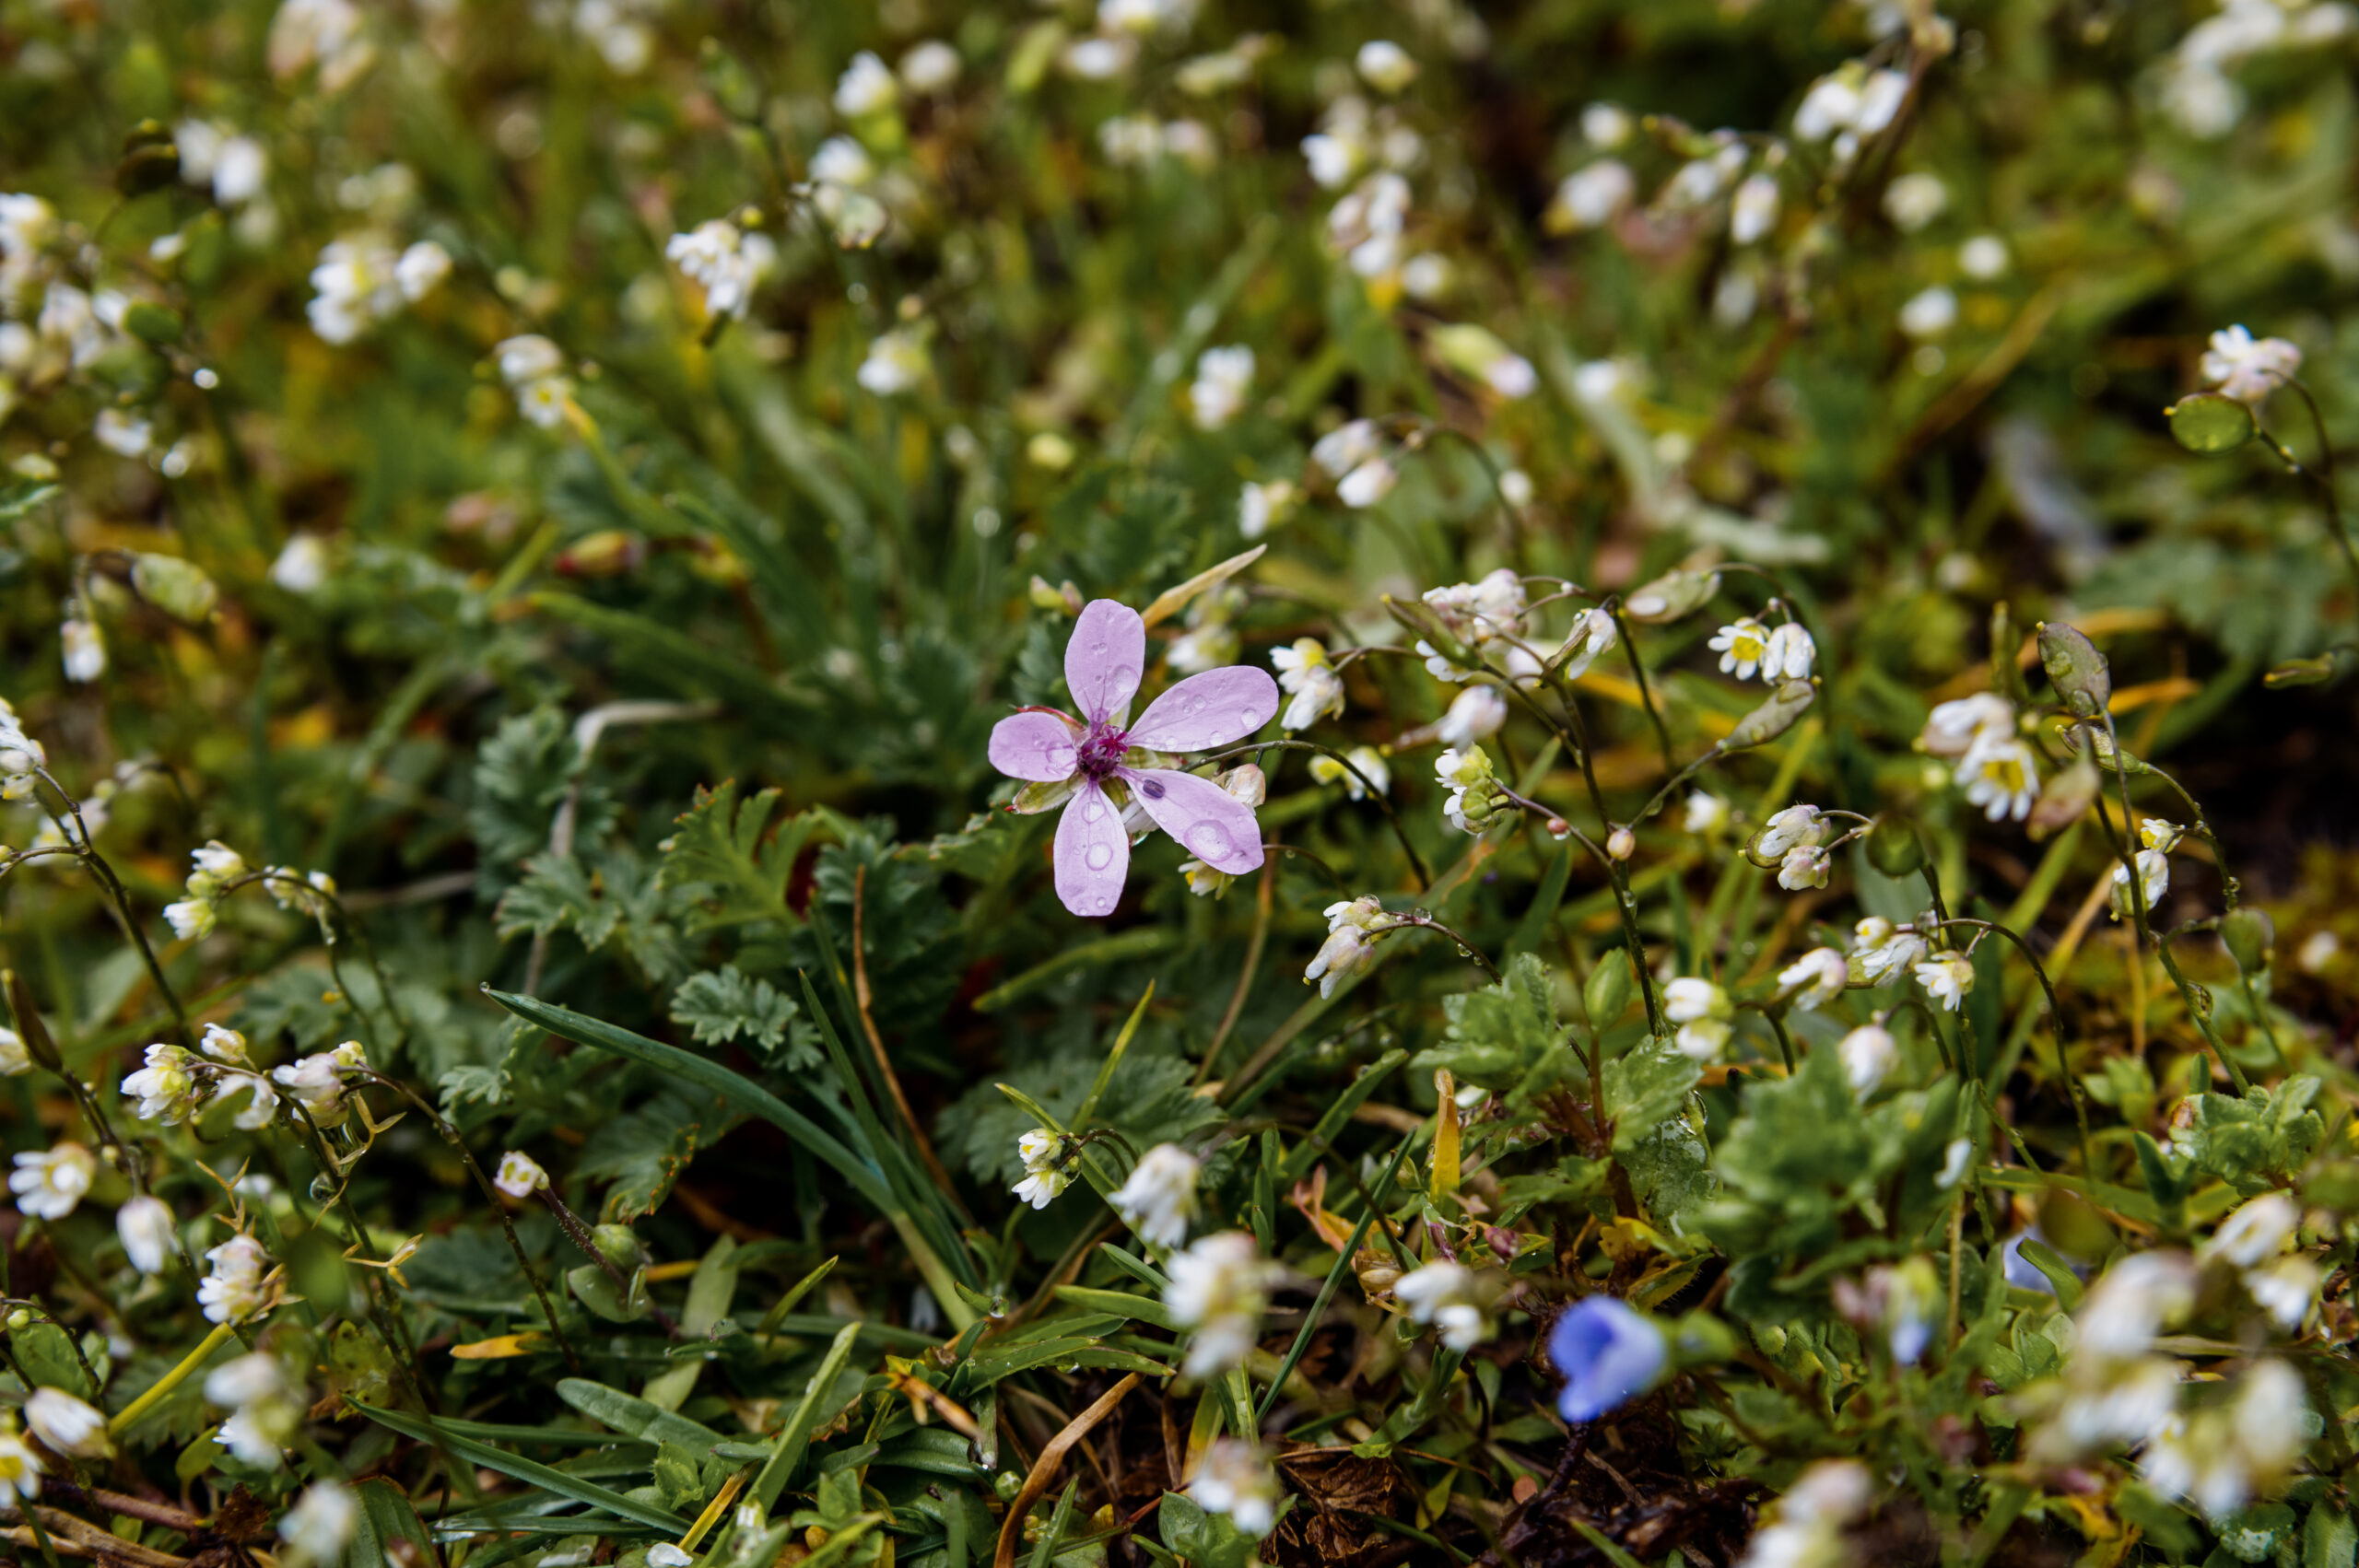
[(1101, 752)]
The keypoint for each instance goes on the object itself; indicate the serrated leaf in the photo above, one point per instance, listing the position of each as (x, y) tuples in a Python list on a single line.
[(721, 1005), (723, 849), (1643, 1087), (644, 1150)]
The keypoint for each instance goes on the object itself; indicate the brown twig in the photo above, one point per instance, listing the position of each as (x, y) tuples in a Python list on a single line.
[(876, 1042), (1044, 1468)]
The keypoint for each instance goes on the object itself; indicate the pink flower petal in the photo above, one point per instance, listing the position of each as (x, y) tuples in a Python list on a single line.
[(1092, 853), (1104, 660), (1206, 710), (1035, 746), (1211, 824)]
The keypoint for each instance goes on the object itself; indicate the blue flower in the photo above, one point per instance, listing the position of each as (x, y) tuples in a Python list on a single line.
[(1607, 1352)]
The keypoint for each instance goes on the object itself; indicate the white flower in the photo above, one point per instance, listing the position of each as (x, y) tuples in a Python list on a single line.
[(167, 1087), (544, 402), (26, 225), (2257, 1232), (1462, 772), (1915, 200), (1831, 105), (1879, 100), (1753, 210), (1606, 125), (2154, 880), (1702, 1010), (1880, 949), (1159, 1198), (865, 88), (1474, 715), (1928, 313), (421, 270), (1592, 635), (1447, 1295), (235, 1289), (1983, 258), (1591, 197), (520, 1175), (1706, 813), (1804, 1530), (1869, 1053), (896, 364), (1946, 976), (318, 1081), (1259, 506), (932, 66), (1815, 978), (321, 1525), (20, 1467), (1100, 59), (302, 565), (123, 434), (2286, 1291), (1204, 647), (1347, 951), (726, 262), (1045, 1175), (1742, 645), (1385, 65), (1367, 483), (1789, 830), (1347, 446), (354, 286), (326, 33), (50, 1184), (14, 1060), (1789, 654), (842, 161), (1315, 689), (1224, 377), (2220, 1459), (1367, 760), (1217, 1290), (2247, 368), (1954, 727), (2131, 1302), (1232, 1478), (84, 651), (67, 1425), (146, 1226), (527, 358), (2000, 775)]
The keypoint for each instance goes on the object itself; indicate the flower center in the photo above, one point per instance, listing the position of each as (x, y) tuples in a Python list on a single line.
[(1101, 752)]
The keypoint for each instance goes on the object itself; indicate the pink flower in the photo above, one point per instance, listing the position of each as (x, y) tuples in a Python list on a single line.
[(1041, 745)]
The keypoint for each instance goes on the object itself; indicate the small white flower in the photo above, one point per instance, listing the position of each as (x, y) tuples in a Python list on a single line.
[(1753, 210), (1930, 314), (520, 1175), (50, 1184), (321, 1525), (726, 261), (1880, 949), (1385, 65), (2286, 1289), (896, 364), (1234, 1479), (1606, 125), (840, 160), (663, 1554), (1789, 654), (1707, 813), (1045, 1173), (1592, 635), (1793, 827), (544, 402), (420, 270), (2220, 1457), (1869, 1054), (1915, 200), (2000, 775), (1451, 1296), (319, 1081), (1347, 950), (1259, 506), (1804, 866), (1593, 196), (2154, 880), (124, 434), (67, 1425), (1218, 1288), (1367, 483), (866, 87), (1983, 258), (1946, 976), (1347, 446), (1461, 772), (1476, 714), (14, 1060), (1224, 377), (1159, 1199), (1955, 727), (1743, 646), (2247, 368), (84, 651), (1831, 105), (167, 1087), (146, 1226), (1367, 760), (2257, 1232), (1314, 687), (302, 565), (929, 67), (1815, 978), (236, 1290), (21, 1469), (527, 358)]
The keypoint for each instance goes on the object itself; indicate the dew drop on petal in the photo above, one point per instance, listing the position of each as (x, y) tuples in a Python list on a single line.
[(1056, 754), (1210, 840), (1093, 806), (1101, 856)]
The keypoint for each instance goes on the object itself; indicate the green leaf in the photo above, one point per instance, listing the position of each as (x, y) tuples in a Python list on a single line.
[(1644, 1086), (530, 1472), (635, 1417), (385, 1516), (721, 1005), (20, 496), (1504, 1038), (724, 850), (644, 1150)]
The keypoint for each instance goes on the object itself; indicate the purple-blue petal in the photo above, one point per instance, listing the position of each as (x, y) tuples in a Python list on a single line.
[(1607, 1353)]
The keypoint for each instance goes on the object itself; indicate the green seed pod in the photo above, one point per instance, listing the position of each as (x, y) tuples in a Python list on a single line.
[(619, 1245), (2079, 672), (1773, 717), (2301, 673), (30, 1028), (2201, 996), (1608, 990), (149, 162), (2210, 422), (177, 587), (2251, 937), (1894, 848), (1671, 596), (1415, 616)]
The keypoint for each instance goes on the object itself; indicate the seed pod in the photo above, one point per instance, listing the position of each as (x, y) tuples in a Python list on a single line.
[(2301, 673), (1414, 615), (2251, 937), (2210, 422), (1671, 596), (1893, 848), (2065, 797), (1607, 993), (30, 1028), (1773, 717), (2079, 672), (149, 162)]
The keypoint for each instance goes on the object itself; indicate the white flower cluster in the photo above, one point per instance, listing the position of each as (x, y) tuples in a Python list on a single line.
[(243, 1284), (48, 326), (534, 369), (1223, 379), (1366, 153), (1804, 1530), (1704, 1014), (1314, 687), (1453, 1298), (726, 261), (1048, 1169), (21, 756), (1996, 767), (2159, 839), (1349, 949), (363, 282), (175, 1083), (1781, 653), (1236, 1479), (1218, 1289), (2197, 90), (1794, 841), (1480, 614), (1355, 455), (220, 869), (2249, 368), (1159, 1200), (1473, 788)]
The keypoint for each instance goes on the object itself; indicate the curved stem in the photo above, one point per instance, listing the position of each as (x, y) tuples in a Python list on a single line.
[(1420, 919), (1639, 675), (1416, 861), (2324, 479), (2056, 1024), (119, 900)]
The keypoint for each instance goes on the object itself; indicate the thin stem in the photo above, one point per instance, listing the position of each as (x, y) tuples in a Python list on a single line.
[(2056, 1018), (1264, 898), (1467, 949), (1639, 675), (1416, 861), (124, 1419), (118, 899), (2323, 479)]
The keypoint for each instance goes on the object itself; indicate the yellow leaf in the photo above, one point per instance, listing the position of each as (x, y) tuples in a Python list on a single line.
[(1172, 601), (502, 1348)]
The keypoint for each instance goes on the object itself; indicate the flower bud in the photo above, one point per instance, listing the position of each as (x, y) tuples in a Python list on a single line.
[(1893, 848), (2301, 673), (610, 552), (2079, 672), (2251, 937), (1773, 717), (1607, 991), (1671, 596), (1621, 844), (30, 1029)]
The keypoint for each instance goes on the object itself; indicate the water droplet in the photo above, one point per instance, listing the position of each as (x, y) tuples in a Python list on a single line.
[(1101, 856), (1153, 790), (1093, 806), (322, 1188), (1210, 840)]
